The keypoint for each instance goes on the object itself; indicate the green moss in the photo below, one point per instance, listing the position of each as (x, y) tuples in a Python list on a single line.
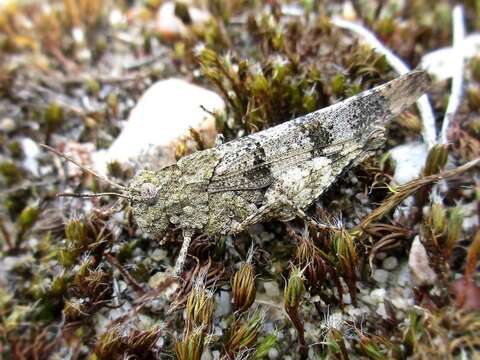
[(93, 87), (76, 233), (265, 344), (10, 172), (454, 228), (59, 285), (16, 201), (53, 117), (15, 149), (338, 85), (28, 217)]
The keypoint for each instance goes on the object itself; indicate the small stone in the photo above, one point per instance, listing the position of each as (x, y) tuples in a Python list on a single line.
[(334, 320), (381, 255), (403, 275), (159, 255), (224, 305), (157, 279), (381, 310), (419, 264), (367, 299), (162, 117), (402, 303), (390, 263), (273, 354), (171, 27), (439, 62), (378, 295), (409, 161), (380, 276), (7, 124), (271, 289), (31, 151), (207, 355), (357, 312)]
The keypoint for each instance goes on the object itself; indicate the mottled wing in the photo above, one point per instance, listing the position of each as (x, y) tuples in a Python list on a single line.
[(253, 162), (254, 167)]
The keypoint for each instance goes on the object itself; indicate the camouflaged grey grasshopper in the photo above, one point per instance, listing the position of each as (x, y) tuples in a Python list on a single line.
[(272, 174)]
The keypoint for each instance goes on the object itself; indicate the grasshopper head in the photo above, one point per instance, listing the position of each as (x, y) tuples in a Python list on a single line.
[(147, 198)]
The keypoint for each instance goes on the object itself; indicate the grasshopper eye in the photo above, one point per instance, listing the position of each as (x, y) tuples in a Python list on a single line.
[(149, 193)]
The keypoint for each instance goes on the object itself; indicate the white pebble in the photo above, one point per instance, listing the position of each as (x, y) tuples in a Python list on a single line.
[(273, 353), (380, 276), (390, 263), (271, 289), (31, 151), (163, 115), (419, 264), (378, 295), (381, 255), (381, 310), (401, 303), (7, 124), (409, 160)]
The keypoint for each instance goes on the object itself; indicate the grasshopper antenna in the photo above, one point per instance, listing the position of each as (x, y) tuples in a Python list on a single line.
[(92, 195), (88, 170)]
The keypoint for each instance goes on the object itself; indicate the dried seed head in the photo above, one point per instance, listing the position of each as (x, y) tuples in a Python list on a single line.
[(109, 344), (191, 346), (74, 309), (436, 159), (294, 290), (28, 217), (345, 251), (410, 122), (141, 342), (437, 218), (309, 255), (199, 307), (336, 344), (59, 285), (243, 285), (347, 260), (243, 334), (264, 345), (454, 230), (76, 232)]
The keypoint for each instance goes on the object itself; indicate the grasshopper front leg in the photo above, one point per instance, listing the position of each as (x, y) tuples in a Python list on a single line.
[(180, 263)]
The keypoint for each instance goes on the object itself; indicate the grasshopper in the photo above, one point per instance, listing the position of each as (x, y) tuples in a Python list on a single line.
[(272, 174)]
